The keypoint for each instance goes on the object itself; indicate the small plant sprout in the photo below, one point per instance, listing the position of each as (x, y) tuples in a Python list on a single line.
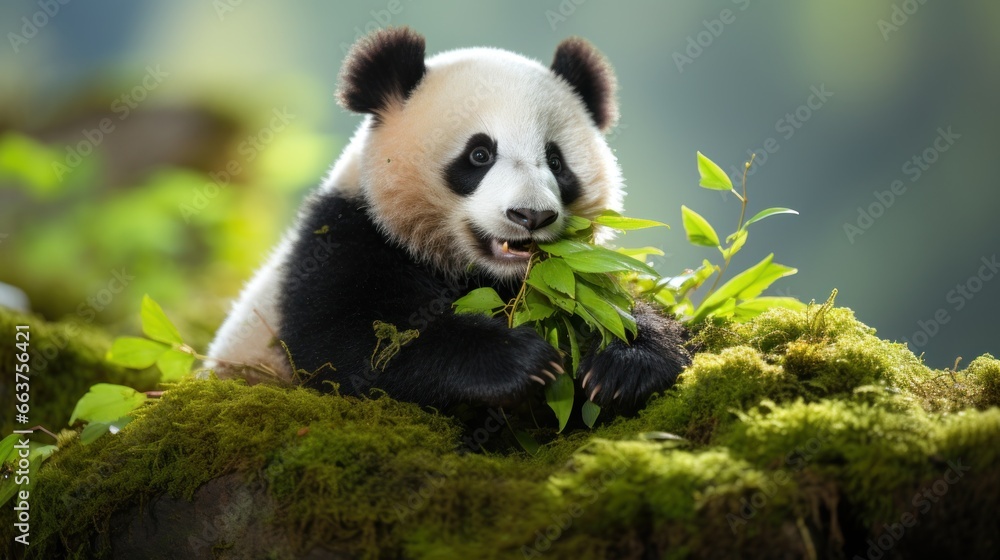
[(739, 298)]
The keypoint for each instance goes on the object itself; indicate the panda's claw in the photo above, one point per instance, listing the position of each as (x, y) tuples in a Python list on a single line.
[(586, 378), (556, 366), (593, 393), (617, 394), (550, 374), (538, 379)]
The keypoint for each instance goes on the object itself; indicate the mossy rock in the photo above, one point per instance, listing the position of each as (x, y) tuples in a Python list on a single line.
[(795, 435)]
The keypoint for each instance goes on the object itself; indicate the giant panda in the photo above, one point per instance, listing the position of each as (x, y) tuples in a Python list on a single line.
[(462, 160)]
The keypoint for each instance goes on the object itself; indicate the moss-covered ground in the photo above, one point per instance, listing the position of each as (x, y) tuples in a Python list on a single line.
[(802, 435)]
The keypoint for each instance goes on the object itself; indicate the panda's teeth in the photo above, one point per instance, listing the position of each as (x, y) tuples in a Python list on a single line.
[(505, 248)]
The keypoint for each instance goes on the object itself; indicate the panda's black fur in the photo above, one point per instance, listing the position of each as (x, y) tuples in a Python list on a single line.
[(344, 270)]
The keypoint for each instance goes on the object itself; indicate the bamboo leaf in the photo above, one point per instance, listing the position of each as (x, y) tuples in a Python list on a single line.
[(697, 228), (712, 176), (590, 412), (556, 274), (174, 365), (155, 323), (615, 220), (134, 352), (559, 397), (769, 212), (603, 312), (106, 402), (480, 300), (745, 285)]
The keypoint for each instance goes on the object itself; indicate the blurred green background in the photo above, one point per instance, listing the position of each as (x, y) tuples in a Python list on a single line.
[(196, 94)]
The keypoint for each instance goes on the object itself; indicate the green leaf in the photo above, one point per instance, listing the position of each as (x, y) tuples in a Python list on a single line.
[(615, 220), (552, 337), (692, 280), (601, 259), (556, 274), (37, 454), (699, 231), (29, 164), (593, 323), (527, 442), (745, 285), (94, 430), (769, 212), (590, 412), (539, 306), (606, 314), (712, 176), (564, 247), (480, 300), (640, 253), (611, 292), (520, 317), (7, 447), (557, 299), (559, 397), (751, 308), (106, 402), (174, 365), (574, 345), (574, 224), (134, 352), (155, 323), (737, 240), (7, 489)]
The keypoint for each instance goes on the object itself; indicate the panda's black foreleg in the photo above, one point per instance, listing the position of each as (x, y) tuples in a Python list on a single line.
[(469, 358), (624, 375)]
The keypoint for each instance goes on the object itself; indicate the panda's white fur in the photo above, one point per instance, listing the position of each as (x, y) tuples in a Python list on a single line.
[(394, 168)]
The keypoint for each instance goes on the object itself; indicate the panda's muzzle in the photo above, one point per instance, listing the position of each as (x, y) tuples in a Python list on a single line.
[(531, 219)]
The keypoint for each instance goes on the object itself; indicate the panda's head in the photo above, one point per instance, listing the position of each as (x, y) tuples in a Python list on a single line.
[(471, 155)]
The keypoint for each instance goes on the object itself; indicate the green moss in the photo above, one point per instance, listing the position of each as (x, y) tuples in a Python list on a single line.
[(805, 434), (715, 386), (984, 374)]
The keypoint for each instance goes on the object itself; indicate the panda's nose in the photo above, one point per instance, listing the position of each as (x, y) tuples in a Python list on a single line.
[(531, 219)]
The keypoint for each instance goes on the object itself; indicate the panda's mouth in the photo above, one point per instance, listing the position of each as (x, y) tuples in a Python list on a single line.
[(511, 249), (507, 250)]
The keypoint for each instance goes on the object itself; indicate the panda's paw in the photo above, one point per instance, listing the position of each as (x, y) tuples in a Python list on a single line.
[(624, 375), (527, 364)]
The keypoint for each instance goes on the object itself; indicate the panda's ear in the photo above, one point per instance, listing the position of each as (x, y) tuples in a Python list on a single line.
[(591, 76), (382, 68)]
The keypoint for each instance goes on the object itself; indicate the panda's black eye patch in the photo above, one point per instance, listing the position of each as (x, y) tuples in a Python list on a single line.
[(569, 185), (467, 170)]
